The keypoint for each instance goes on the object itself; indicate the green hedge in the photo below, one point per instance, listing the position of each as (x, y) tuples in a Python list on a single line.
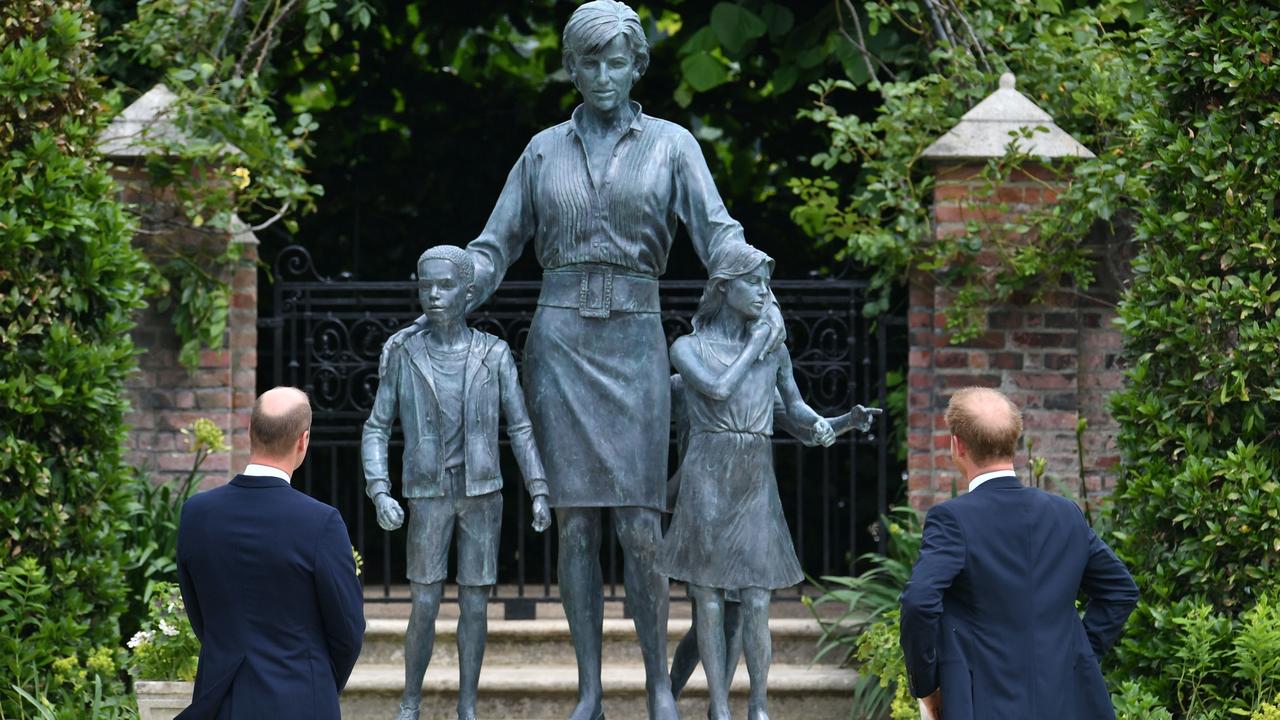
[(69, 285), (1197, 507)]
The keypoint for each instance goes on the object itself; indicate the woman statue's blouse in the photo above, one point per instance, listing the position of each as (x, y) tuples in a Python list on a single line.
[(655, 175)]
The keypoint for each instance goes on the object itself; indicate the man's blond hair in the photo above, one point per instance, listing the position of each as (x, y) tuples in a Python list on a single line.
[(986, 421)]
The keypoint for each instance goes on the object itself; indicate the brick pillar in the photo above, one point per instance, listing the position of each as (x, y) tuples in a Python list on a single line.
[(1056, 359), (165, 396)]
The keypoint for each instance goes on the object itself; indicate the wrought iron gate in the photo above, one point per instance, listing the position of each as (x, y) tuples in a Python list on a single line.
[(324, 335)]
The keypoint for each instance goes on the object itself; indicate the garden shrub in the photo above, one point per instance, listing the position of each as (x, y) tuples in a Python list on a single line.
[(1196, 510), (166, 647), (69, 285)]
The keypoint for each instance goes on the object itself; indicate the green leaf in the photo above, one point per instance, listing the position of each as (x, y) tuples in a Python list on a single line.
[(779, 18), (735, 26), (784, 78), (703, 72)]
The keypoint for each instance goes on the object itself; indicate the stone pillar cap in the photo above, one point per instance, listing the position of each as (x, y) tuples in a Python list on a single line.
[(987, 129), (138, 130)]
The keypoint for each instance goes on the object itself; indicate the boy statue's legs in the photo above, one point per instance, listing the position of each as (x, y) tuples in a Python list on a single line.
[(473, 624), (479, 524), (419, 641)]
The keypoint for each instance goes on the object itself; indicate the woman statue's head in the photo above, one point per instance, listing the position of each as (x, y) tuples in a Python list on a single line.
[(739, 281), (605, 52)]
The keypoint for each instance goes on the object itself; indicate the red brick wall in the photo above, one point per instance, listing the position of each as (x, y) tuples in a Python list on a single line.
[(165, 396), (1056, 359)]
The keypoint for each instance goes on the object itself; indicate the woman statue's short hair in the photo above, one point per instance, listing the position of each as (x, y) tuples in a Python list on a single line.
[(595, 24), (454, 254)]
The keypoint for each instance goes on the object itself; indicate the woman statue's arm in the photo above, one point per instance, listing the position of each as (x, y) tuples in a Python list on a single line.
[(699, 206), (509, 229)]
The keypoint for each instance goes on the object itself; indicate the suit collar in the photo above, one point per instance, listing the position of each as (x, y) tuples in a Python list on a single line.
[(1003, 480), (258, 482)]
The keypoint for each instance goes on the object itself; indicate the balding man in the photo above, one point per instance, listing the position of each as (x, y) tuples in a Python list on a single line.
[(269, 582), (989, 621)]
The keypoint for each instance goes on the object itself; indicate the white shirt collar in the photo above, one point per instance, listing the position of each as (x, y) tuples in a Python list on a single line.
[(979, 479), (265, 471)]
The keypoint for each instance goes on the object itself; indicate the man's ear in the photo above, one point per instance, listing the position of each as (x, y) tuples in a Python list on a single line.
[(960, 449), (471, 291)]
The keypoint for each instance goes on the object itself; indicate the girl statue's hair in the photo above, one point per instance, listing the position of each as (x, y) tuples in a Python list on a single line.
[(728, 261)]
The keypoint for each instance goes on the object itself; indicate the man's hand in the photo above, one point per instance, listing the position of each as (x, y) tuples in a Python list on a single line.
[(823, 434), (390, 514), (931, 705), (541, 513)]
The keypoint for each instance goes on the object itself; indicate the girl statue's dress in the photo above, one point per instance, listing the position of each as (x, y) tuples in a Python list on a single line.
[(728, 530)]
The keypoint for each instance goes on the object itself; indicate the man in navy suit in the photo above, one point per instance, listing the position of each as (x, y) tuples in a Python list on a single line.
[(269, 582), (989, 621)]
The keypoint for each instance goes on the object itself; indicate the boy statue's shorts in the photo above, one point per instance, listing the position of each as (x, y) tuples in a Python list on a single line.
[(432, 522)]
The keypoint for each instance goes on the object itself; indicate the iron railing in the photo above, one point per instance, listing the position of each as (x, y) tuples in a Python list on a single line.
[(325, 334)]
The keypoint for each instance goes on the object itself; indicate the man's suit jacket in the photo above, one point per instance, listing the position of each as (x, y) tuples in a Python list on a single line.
[(989, 613), (406, 388), (271, 589)]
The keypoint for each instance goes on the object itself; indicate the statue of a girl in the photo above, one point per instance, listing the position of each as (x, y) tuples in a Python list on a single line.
[(727, 531)]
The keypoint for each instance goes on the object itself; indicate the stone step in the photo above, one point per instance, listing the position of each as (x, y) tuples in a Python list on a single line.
[(546, 690), (522, 642)]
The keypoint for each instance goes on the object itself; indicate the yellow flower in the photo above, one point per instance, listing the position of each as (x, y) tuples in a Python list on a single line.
[(241, 175)]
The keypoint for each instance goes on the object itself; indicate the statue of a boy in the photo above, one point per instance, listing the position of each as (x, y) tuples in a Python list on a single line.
[(447, 385)]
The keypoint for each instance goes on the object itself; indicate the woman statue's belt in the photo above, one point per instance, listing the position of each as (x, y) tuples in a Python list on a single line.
[(597, 290)]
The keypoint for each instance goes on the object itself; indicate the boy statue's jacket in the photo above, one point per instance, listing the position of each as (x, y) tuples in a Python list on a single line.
[(407, 389)]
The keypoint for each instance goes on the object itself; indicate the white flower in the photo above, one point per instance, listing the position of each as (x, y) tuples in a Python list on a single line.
[(168, 629), (142, 637)]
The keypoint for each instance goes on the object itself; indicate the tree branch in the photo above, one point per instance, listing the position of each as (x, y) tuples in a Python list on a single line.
[(233, 17), (973, 37), (937, 24), (860, 42)]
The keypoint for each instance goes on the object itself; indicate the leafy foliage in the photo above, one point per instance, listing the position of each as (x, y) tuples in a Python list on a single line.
[(1074, 62), (235, 161), (1197, 506), (152, 537), (866, 631), (69, 285), (165, 648)]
